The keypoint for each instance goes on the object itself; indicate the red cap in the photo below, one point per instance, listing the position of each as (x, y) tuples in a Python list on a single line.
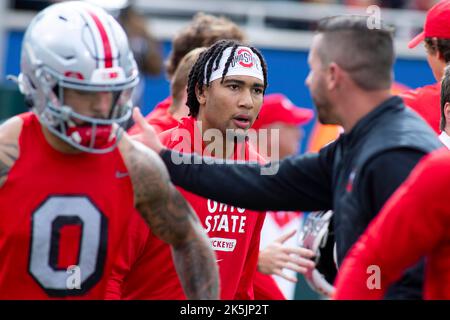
[(278, 108), (437, 24)]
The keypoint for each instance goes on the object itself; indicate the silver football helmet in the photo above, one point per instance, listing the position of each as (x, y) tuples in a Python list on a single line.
[(314, 236), (78, 46)]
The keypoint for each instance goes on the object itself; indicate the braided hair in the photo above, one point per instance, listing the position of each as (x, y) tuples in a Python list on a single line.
[(214, 54)]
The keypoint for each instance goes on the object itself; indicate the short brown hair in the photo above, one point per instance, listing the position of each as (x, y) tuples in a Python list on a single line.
[(367, 54), (203, 31), (181, 76)]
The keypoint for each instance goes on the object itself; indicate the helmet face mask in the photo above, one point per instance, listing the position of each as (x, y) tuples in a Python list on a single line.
[(73, 45)]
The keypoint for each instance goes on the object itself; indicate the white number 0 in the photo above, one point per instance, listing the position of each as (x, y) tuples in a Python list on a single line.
[(53, 214)]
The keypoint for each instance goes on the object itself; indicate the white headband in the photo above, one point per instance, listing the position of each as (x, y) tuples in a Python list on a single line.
[(245, 63)]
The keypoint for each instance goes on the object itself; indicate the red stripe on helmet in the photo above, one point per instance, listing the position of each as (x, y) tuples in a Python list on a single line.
[(105, 40)]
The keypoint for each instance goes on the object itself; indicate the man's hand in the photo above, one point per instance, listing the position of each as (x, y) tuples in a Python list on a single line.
[(148, 135), (277, 256)]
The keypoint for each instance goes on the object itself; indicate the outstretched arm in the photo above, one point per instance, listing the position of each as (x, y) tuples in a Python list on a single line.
[(173, 221)]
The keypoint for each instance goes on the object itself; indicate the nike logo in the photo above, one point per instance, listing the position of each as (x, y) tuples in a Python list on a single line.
[(120, 175), (219, 260)]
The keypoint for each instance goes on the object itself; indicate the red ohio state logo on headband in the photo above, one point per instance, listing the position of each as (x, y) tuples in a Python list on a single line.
[(245, 58)]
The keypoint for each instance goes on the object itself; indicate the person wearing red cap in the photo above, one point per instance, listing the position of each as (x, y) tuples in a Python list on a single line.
[(436, 35), (277, 236)]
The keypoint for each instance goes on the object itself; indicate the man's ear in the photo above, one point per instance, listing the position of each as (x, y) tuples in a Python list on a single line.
[(200, 93), (447, 114)]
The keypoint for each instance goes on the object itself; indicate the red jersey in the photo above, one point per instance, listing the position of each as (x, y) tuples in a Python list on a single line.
[(234, 234), (426, 101), (57, 211), (159, 118), (414, 223)]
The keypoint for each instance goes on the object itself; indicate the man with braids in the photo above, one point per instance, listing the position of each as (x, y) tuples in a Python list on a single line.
[(203, 31), (225, 93), (352, 176)]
